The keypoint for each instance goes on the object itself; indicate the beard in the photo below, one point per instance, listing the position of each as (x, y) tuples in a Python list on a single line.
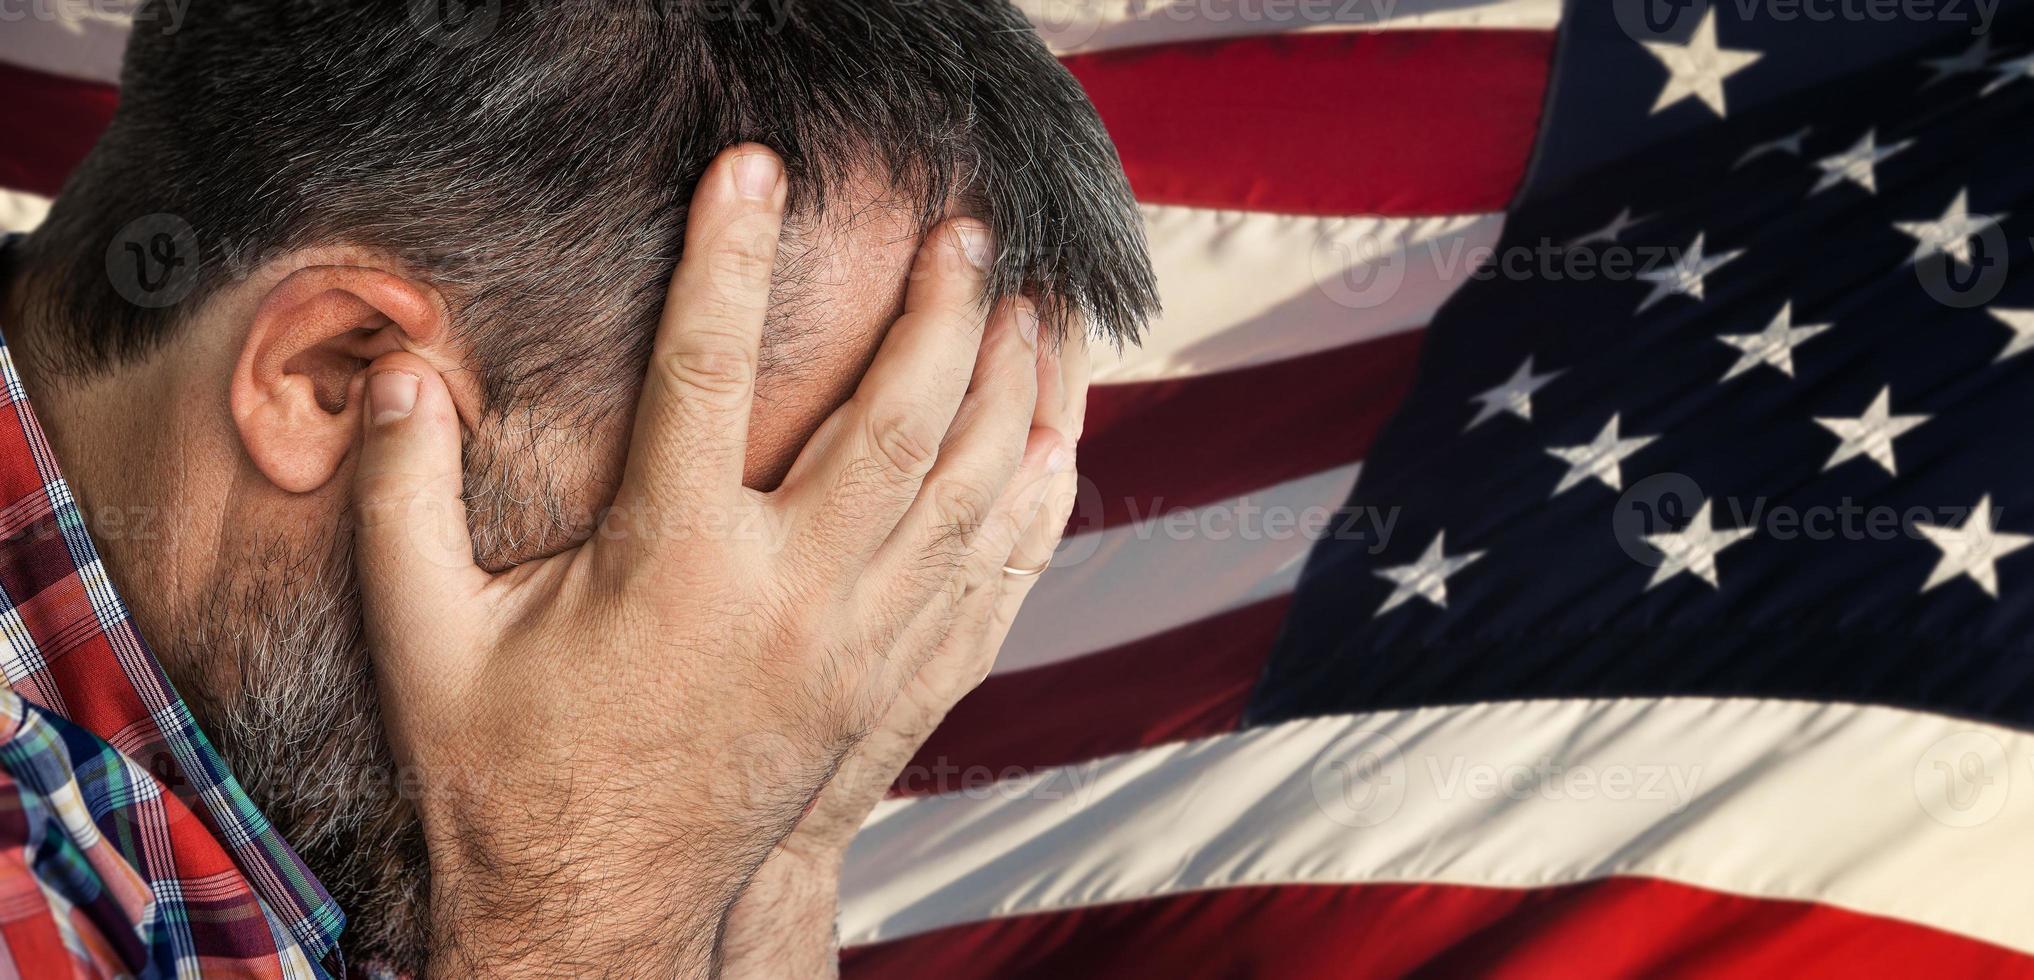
[(303, 736), (275, 666)]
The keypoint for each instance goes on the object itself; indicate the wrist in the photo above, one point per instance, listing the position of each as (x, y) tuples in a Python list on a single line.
[(544, 913), (785, 922)]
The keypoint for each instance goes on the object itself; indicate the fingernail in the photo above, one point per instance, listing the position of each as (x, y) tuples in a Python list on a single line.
[(1027, 323), (756, 175), (391, 395), (975, 244), (1060, 461)]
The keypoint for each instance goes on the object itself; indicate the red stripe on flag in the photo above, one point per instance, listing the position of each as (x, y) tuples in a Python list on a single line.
[(1176, 685), (1155, 446), (1222, 130), (51, 123), (1618, 927), (1392, 122)]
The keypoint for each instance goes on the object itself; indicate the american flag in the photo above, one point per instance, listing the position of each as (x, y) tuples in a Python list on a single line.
[(1680, 621)]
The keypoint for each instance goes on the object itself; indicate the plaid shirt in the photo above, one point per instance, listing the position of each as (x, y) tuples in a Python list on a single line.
[(126, 848)]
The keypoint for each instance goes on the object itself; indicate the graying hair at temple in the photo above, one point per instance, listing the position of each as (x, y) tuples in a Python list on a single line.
[(535, 160)]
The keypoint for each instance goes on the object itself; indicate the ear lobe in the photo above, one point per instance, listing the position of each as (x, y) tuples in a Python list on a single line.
[(296, 390)]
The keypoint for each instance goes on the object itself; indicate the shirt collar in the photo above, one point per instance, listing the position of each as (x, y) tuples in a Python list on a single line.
[(68, 644)]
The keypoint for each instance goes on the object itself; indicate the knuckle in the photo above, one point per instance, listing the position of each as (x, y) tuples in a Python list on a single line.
[(719, 366), (903, 440), (964, 504), (864, 485)]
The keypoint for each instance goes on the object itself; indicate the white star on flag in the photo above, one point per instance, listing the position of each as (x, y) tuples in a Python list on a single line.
[(1789, 144), (1426, 578), (2021, 322), (1774, 345), (1856, 164), (1608, 233), (1684, 277), (1871, 434), (1696, 70), (1514, 396), (2008, 72), (1950, 234), (1693, 549), (1971, 60), (1973, 549), (1597, 459)]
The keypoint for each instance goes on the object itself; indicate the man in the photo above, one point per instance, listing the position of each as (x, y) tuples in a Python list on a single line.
[(293, 192)]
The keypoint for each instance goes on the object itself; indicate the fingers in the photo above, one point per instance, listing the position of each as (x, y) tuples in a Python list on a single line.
[(1062, 408), (1063, 384), (1067, 377), (691, 431), (968, 494), (961, 626), (414, 553), (864, 468), (1034, 549)]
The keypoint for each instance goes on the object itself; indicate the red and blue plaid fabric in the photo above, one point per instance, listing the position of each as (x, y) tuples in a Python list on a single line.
[(126, 848)]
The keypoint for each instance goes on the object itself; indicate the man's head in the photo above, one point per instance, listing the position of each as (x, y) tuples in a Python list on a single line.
[(502, 193)]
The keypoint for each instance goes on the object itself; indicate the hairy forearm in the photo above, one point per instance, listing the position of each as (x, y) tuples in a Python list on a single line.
[(556, 934), (608, 938), (564, 908), (784, 924)]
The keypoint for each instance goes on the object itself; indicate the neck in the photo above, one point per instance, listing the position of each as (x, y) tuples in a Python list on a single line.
[(81, 416), (117, 437)]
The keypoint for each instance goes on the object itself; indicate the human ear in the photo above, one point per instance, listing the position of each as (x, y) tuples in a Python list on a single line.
[(296, 390)]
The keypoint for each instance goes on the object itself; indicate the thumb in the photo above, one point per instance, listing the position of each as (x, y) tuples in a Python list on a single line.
[(411, 544)]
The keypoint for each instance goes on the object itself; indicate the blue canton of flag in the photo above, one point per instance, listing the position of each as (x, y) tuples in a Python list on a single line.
[(1739, 406)]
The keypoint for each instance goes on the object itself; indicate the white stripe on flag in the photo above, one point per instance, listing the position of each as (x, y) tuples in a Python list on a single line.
[(1110, 587), (1242, 288), (21, 211), (1077, 26), (73, 38), (1877, 810)]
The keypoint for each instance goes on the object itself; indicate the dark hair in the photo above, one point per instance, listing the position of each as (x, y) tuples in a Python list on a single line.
[(536, 158)]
